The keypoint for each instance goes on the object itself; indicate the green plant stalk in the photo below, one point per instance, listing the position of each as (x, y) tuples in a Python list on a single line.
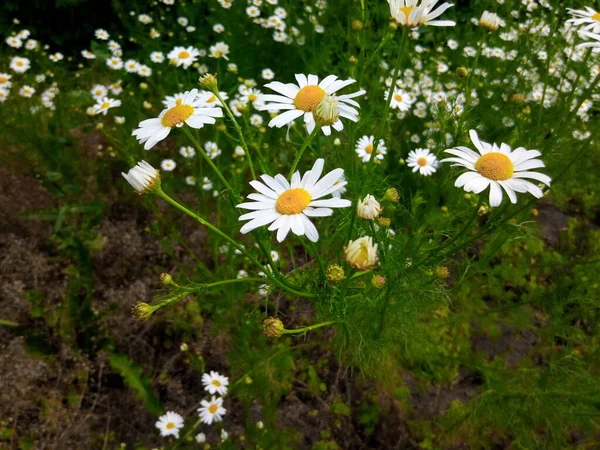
[(309, 328), (299, 153), (212, 165), (160, 193), (239, 132), (188, 434), (233, 281)]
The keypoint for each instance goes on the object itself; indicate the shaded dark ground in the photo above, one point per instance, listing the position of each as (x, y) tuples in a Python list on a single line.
[(36, 392)]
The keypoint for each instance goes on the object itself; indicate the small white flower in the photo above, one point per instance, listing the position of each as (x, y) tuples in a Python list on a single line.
[(170, 424), (212, 411), (101, 34), (422, 160), (187, 152), (200, 438), (219, 50), (168, 165), (215, 383), (365, 146)]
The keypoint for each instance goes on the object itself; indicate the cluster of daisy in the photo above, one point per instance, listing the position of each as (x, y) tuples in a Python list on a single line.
[(210, 411)]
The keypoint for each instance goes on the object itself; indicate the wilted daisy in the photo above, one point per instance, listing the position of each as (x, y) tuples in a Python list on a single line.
[(365, 146), (183, 56), (219, 50), (215, 383), (588, 17), (362, 253), (423, 160), (170, 424), (289, 206), (20, 65), (368, 208), (104, 104), (491, 21), (143, 177), (416, 13), (212, 411), (302, 99), (186, 109), (499, 168)]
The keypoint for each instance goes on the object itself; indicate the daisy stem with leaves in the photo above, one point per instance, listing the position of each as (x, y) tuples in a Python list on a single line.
[(304, 330)]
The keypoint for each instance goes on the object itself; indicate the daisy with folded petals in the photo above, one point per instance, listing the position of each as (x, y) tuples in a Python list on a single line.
[(186, 109), (588, 17), (289, 206), (104, 104), (183, 56), (498, 167), (416, 13), (212, 411), (143, 177), (301, 100)]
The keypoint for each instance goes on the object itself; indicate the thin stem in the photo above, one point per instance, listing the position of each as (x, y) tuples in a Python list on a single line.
[(241, 248), (235, 280), (238, 129), (307, 329), (188, 434), (306, 143), (189, 134), (399, 58)]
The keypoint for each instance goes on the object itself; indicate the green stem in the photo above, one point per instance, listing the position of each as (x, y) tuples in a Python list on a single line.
[(304, 146), (399, 58), (189, 134), (233, 281), (307, 329), (241, 248), (188, 434), (239, 132)]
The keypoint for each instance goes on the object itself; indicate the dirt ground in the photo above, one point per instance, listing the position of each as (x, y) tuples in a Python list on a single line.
[(36, 391)]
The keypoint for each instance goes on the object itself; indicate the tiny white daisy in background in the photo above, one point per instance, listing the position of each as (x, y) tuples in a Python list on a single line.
[(116, 87), (200, 438), (5, 80), (119, 120), (87, 54), (422, 160), (268, 74), (183, 56), (56, 57), (170, 424), (364, 148), (256, 120), (26, 91), (99, 91), (183, 21), (20, 65), (218, 28), (219, 50), (224, 435), (288, 206), (490, 20), (212, 149), (264, 290), (499, 168), (14, 42), (215, 383), (142, 177), (588, 17), (593, 36), (187, 152), (186, 109), (157, 57), (212, 411), (400, 100), (101, 34), (24, 34), (206, 184), (144, 71), (242, 274), (114, 63), (104, 104), (368, 208), (131, 66), (190, 180), (145, 19), (168, 165), (415, 13), (302, 99), (4, 93)]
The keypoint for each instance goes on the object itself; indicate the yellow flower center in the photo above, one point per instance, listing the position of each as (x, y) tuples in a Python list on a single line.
[(218, 53), (177, 115), (369, 149), (104, 105), (596, 17), (406, 10), (3, 80), (293, 201), (398, 97), (308, 97), (213, 408), (170, 426), (183, 55), (20, 63), (252, 97), (422, 161), (495, 166), (216, 383)]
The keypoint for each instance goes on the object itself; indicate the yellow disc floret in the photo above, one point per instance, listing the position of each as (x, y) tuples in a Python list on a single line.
[(293, 201), (213, 408), (183, 55), (398, 97), (422, 161), (369, 149), (308, 97), (177, 115), (216, 383), (170, 426), (495, 166), (596, 17)]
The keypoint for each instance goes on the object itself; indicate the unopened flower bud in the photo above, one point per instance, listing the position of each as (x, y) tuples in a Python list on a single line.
[(357, 25), (462, 72), (326, 112), (362, 253), (167, 280), (142, 311), (209, 82), (272, 327), (378, 281), (384, 222), (442, 272), (334, 274), (368, 208), (391, 195)]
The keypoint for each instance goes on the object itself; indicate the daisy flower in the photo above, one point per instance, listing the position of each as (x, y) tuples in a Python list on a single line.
[(14, 41), (131, 66), (185, 110), (268, 74), (114, 63), (587, 34), (87, 54), (215, 383), (289, 206), (301, 99), (400, 100), (101, 34), (170, 424), (364, 148), (212, 411), (499, 168), (168, 165), (105, 104), (20, 65), (183, 56), (5, 80), (423, 160), (99, 91), (157, 57), (187, 152), (4, 93), (588, 17), (143, 177), (219, 50), (415, 13), (26, 91)]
